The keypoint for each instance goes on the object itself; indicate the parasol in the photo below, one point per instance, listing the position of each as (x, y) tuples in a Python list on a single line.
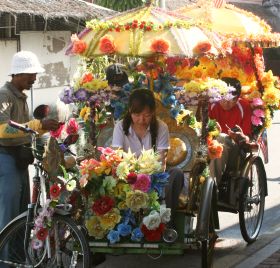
[(233, 23), (144, 32)]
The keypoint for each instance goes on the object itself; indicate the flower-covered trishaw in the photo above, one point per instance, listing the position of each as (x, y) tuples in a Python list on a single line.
[(181, 60)]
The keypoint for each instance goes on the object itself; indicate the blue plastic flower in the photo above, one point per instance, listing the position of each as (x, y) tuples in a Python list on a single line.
[(81, 94), (159, 181), (124, 229), (128, 217), (137, 235), (113, 236)]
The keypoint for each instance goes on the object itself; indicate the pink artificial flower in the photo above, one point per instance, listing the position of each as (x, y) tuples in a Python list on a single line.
[(72, 126), (143, 183), (259, 113), (257, 102), (84, 180), (57, 133), (106, 151), (256, 121), (36, 243)]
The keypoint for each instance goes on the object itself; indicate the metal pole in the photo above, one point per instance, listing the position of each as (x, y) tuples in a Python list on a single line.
[(162, 4), (32, 100)]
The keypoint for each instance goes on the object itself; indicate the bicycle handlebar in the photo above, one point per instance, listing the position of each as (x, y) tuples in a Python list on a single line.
[(21, 127)]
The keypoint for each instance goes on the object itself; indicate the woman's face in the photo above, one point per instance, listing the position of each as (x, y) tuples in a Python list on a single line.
[(142, 119)]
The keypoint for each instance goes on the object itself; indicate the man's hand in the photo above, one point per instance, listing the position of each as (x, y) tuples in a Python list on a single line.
[(238, 136), (50, 124)]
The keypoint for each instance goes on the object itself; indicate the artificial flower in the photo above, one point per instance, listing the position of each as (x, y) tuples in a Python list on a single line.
[(202, 47), (36, 244), (256, 121), (160, 46), (152, 235), (42, 234), (257, 102), (143, 183), (165, 214), (135, 200), (57, 133), (103, 205), (79, 46), (54, 191), (131, 178), (71, 185), (136, 235), (121, 190), (113, 236), (72, 126), (107, 45), (87, 77), (95, 228), (124, 229), (215, 149), (110, 219), (122, 170), (149, 162), (258, 112), (152, 221)]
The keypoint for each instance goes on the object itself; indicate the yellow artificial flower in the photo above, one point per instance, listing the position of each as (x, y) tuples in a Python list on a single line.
[(121, 189), (271, 96), (109, 220), (180, 117), (268, 118), (95, 228), (135, 200)]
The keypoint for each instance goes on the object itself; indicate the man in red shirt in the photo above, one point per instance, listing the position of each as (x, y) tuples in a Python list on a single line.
[(234, 118)]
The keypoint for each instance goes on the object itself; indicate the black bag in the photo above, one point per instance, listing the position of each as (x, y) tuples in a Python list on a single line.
[(24, 156)]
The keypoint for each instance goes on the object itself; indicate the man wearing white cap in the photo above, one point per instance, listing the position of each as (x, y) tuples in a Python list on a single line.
[(14, 178)]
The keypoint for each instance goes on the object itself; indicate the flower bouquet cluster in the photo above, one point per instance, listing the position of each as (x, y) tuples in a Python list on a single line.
[(212, 89), (123, 195)]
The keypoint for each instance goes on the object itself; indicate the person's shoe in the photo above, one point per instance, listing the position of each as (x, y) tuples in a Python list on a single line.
[(97, 258)]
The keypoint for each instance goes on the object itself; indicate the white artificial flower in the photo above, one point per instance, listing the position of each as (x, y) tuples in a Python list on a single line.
[(122, 170), (71, 185), (152, 221), (165, 213)]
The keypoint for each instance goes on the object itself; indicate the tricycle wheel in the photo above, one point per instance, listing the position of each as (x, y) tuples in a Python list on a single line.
[(252, 200)]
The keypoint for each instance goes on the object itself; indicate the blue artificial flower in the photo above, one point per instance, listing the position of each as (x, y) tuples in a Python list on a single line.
[(174, 112), (128, 217), (137, 235), (113, 236), (127, 87), (124, 229), (118, 110), (158, 182), (66, 95)]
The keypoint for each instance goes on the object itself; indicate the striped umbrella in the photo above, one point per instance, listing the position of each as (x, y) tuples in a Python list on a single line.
[(144, 32), (231, 22)]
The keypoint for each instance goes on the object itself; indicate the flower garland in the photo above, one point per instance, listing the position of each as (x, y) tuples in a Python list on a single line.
[(123, 196)]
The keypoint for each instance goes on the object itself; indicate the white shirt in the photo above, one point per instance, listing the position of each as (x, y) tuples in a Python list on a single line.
[(136, 145)]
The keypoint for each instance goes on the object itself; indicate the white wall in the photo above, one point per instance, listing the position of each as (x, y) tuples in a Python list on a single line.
[(7, 50)]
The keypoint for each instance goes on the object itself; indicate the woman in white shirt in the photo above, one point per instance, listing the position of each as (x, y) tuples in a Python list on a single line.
[(140, 128)]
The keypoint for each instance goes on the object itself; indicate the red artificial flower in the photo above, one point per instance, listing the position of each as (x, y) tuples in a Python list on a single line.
[(107, 45), (103, 205), (88, 77), (72, 126), (42, 234), (152, 235), (131, 178), (258, 50), (202, 47), (160, 46), (55, 191), (57, 133)]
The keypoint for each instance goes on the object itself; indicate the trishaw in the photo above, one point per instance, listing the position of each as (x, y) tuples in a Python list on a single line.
[(170, 45)]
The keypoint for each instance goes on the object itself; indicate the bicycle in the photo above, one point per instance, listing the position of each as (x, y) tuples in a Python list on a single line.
[(65, 245)]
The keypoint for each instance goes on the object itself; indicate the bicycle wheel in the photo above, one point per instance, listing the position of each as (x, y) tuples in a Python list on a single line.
[(252, 201), (67, 244)]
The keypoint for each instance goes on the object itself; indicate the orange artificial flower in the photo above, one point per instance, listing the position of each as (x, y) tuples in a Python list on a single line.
[(215, 149), (88, 77), (107, 45), (202, 47), (79, 46), (160, 46)]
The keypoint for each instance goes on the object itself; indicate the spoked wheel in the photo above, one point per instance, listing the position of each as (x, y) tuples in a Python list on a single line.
[(67, 246), (252, 202)]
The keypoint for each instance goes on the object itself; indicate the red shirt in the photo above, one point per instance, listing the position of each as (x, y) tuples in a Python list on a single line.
[(239, 115)]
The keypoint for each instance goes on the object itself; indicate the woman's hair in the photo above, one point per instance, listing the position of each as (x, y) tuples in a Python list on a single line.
[(139, 99), (234, 83)]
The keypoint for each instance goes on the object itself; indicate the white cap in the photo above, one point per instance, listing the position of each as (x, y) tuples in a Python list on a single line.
[(25, 62)]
